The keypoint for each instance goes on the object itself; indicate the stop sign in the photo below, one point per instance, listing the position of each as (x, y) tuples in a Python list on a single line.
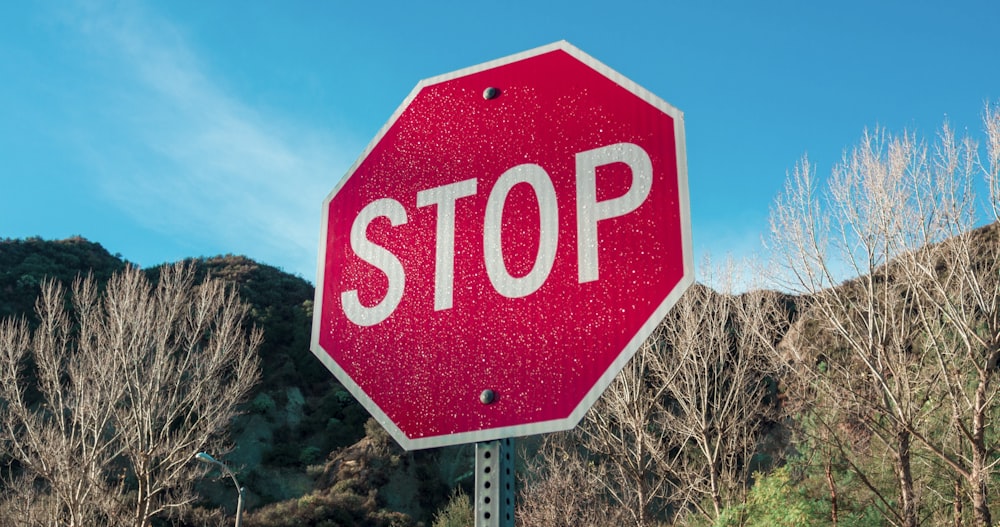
[(502, 248)]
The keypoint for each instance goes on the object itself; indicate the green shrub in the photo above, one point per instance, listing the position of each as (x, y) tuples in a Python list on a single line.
[(282, 454), (774, 502), (262, 404), (309, 455)]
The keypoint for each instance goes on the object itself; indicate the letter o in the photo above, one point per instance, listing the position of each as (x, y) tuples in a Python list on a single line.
[(548, 211)]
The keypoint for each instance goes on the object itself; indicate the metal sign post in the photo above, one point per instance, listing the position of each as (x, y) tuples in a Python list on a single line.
[(495, 483)]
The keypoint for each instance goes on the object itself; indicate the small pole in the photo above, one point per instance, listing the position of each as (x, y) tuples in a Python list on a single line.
[(204, 457), (495, 483), (239, 506)]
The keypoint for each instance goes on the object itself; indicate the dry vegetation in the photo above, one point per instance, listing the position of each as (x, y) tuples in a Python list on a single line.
[(127, 385)]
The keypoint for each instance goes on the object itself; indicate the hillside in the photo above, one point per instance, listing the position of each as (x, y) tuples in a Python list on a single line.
[(308, 453)]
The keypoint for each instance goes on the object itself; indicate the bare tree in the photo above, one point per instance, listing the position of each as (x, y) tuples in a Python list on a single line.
[(717, 370), (921, 324), (883, 204), (565, 489), (960, 314), (64, 441), (624, 436), (129, 387), (680, 424)]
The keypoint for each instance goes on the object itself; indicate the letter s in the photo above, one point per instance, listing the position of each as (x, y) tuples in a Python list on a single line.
[(379, 257)]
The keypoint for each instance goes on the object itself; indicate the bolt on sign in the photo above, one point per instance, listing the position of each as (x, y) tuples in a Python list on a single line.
[(502, 248)]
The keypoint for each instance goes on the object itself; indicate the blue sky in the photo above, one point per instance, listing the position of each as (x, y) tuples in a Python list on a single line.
[(164, 130)]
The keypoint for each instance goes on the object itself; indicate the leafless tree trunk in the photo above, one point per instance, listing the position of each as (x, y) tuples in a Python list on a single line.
[(831, 483), (131, 386), (957, 504)]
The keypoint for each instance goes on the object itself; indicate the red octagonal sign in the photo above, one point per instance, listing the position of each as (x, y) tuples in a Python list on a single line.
[(502, 248)]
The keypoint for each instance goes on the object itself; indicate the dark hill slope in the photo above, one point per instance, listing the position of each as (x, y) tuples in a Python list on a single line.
[(25, 263)]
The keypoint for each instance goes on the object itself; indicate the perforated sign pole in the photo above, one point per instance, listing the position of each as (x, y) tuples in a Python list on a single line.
[(495, 493)]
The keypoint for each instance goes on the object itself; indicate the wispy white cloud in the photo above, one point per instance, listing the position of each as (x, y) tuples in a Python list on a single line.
[(197, 161)]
